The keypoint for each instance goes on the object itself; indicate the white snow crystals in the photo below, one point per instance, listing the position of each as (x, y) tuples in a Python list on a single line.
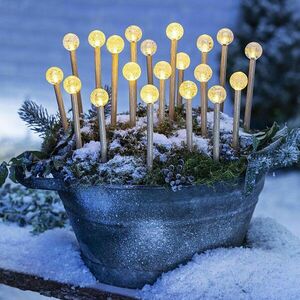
[(90, 151), (267, 269), (122, 168)]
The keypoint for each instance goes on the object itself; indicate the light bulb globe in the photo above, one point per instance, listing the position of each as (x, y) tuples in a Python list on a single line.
[(162, 70), (203, 73), (148, 47), (182, 61), (149, 93), (131, 71), (225, 36), (253, 50), (115, 44), (72, 85), (188, 89), (238, 81), (71, 41), (217, 94), (205, 43), (174, 31), (99, 97), (54, 75), (133, 33), (96, 38)]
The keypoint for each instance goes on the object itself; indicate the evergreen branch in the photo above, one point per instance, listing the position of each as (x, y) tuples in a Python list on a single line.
[(36, 117)]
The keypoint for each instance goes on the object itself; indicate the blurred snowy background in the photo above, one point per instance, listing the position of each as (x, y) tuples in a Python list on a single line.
[(31, 33)]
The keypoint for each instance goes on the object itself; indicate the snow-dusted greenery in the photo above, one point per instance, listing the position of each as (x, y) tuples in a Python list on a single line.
[(275, 24), (42, 210), (174, 165)]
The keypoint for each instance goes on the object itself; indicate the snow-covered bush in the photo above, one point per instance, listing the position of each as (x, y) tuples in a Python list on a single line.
[(42, 210), (174, 165)]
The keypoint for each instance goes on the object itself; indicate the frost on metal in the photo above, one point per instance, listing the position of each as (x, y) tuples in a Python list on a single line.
[(282, 152)]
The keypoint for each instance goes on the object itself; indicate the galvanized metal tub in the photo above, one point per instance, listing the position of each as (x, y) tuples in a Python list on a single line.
[(130, 235)]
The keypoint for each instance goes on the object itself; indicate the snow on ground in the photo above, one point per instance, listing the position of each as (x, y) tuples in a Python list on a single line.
[(267, 269), (52, 255)]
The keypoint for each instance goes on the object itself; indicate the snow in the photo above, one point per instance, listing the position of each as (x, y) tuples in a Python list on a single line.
[(268, 268), (88, 151), (129, 167), (53, 255), (179, 140)]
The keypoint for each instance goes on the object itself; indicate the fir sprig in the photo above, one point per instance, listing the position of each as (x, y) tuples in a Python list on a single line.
[(37, 117)]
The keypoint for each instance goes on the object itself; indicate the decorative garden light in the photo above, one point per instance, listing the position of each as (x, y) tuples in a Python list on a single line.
[(205, 43), (99, 98), (133, 34), (162, 70), (225, 37), (115, 45), (238, 82), (71, 43), (149, 94), (54, 76), (132, 71), (203, 73), (174, 32), (72, 85), (188, 90), (97, 40), (253, 51), (182, 62), (148, 48), (217, 95)]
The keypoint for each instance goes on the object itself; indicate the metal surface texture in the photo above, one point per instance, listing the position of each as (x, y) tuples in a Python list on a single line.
[(249, 96), (216, 132), (236, 120), (130, 235), (203, 105), (223, 67), (172, 80)]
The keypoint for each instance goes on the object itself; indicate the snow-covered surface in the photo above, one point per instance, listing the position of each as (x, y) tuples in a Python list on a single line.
[(51, 255), (269, 268), (88, 151)]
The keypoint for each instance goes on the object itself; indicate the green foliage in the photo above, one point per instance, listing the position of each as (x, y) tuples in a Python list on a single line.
[(165, 128), (264, 137), (200, 167), (141, 111), (42, 210), (3, 173), (37, 118), (275, 25)]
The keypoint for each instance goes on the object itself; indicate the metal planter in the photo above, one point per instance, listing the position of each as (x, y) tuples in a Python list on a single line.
[(130, 235)]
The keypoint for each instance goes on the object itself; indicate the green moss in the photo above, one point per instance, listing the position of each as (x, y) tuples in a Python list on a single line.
[(202, 168)]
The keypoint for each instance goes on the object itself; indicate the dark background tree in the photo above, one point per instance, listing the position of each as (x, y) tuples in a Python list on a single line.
[(275, 24)]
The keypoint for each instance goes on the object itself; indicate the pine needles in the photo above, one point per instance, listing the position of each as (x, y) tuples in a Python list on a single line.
[(37, 118)]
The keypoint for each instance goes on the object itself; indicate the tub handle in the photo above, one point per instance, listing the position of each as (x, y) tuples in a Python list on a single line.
[(283, 152), (53, 184)]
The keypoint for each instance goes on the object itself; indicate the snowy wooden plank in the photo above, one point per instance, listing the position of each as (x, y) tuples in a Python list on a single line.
[(56, 289)]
